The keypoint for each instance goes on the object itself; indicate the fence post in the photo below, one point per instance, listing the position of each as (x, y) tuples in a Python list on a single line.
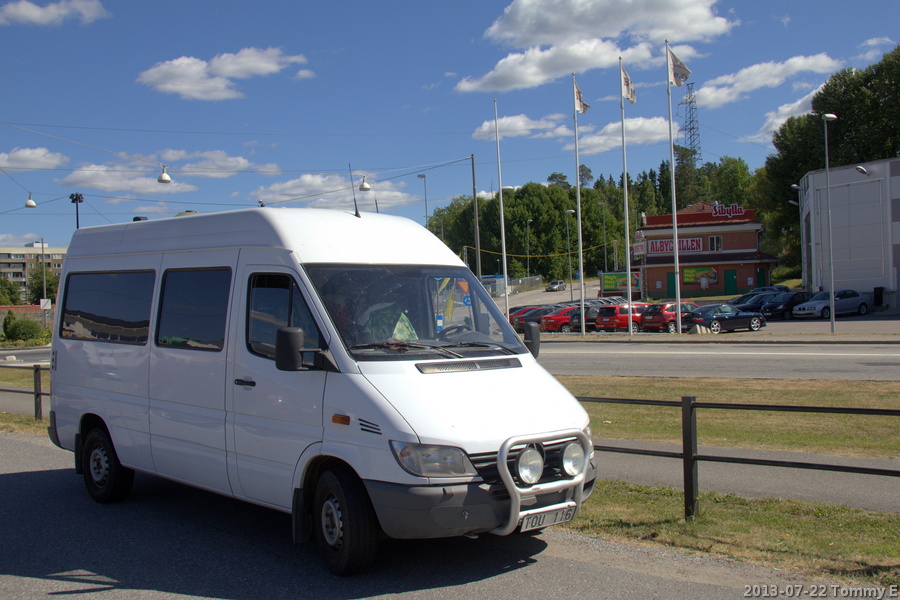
[(38, 395), (689, 450)]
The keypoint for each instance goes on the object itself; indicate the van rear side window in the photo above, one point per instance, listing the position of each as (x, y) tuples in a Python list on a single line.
[(193, 309), (108, 307)]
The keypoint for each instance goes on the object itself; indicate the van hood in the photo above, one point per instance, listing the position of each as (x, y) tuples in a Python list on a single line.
[(476, 409)]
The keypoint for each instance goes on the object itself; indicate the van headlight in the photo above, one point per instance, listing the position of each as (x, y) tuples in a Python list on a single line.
[(573, 459), (530, 465), (425, 460)]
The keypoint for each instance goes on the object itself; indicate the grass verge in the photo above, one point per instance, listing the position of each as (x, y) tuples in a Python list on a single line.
[(820, 541)]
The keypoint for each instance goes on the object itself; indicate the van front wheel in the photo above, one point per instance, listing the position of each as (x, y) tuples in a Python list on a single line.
[(104, 476), (346, 528)]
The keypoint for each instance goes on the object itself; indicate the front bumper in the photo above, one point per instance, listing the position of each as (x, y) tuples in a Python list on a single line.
[(435, 511)]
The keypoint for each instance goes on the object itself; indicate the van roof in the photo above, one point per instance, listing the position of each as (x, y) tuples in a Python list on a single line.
[(316, 235)]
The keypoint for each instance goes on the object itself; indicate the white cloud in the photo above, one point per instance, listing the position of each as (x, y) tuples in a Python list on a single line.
[(28, 13), (31, 158), (638, 132), (516, 126), (215, 164), (557, 37), (123, 178), (536, 22), (730, 88), (333, 191), (196, 79), (777, 117), (875, 49), (18, 240)]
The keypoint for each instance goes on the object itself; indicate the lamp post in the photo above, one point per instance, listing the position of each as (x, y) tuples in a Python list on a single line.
[(76, 200), (569, 253), (605, 263), (528, 247), (825, 118), (44, 279), (425, 187), (799, 203)]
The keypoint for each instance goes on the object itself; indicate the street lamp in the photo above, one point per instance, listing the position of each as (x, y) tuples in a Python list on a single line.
[(365, 186), (799, 203), (528, 248), (425, 187), (569, 245), (605, 263), (825, 118), (76, 200)]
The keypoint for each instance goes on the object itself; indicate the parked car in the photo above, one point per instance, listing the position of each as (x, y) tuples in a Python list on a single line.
[(532, 316), (614, 318), (770, 288), (742, 298), (519, 310), (723, 317), (558, 320), (575, 317), (556, 285), (782, 305), (845, 302), (755, 303), (662, 317)]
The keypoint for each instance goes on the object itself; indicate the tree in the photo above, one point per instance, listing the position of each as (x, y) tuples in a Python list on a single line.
[(9, 293), (560, 180), (35, 289), (585, 176)]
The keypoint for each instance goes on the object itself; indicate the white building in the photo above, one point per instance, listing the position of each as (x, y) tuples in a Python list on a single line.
[(864, 230), (19, 263)]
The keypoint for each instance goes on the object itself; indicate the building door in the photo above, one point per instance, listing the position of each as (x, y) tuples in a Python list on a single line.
[(730, 282), (670, 285), (762, 278)]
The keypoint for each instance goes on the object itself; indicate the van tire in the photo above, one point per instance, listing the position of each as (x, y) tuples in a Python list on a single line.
[(346, 528), (105, 478)]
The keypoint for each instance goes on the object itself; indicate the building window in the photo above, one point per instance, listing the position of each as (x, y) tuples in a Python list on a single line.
[(715, 243)]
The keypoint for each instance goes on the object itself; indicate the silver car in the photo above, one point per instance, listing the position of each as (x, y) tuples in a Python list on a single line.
[(845, 302)]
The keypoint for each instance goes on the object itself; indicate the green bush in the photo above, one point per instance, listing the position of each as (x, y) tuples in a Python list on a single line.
[(782, 272), (23, 329)]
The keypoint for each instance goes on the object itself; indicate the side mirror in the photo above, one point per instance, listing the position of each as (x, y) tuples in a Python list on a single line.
[(290, 344), (533, 338)]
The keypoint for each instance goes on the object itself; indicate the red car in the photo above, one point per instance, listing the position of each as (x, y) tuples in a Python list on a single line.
[(614, 318), (663, 317), (520, 311), (558, 320)]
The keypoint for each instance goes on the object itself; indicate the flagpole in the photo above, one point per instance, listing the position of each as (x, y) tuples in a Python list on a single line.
[(625, 188), (578, 205), (669, 83), (502, 222)]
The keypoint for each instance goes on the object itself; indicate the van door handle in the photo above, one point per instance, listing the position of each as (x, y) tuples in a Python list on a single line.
[(247, 382)]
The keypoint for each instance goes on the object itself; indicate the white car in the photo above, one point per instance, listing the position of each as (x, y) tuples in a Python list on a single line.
[(845, 302)]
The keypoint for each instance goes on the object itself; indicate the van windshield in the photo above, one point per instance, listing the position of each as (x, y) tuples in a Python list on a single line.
[(411, 312)]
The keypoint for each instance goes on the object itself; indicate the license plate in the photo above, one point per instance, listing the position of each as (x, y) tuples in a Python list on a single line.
[(605, 319), (546, 519)]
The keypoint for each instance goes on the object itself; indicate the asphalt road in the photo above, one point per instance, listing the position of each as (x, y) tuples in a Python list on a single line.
[(756, 360), (169, 541)]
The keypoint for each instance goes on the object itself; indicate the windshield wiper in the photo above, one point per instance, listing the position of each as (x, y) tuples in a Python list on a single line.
[(492, 345), (404, 346)]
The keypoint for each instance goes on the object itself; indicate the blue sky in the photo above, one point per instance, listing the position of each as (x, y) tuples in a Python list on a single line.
[(276, 101)]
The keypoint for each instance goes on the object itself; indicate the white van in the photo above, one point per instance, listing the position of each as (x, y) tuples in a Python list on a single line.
[(346, 369)]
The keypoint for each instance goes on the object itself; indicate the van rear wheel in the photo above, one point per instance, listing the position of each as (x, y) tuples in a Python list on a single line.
[(104, 476), (346, 528)]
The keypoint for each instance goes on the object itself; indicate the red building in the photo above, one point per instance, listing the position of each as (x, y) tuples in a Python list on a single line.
[(718, 252)]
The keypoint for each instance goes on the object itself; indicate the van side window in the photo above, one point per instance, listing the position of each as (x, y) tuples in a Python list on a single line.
[(108, 307), (193, 308), (274, 301)]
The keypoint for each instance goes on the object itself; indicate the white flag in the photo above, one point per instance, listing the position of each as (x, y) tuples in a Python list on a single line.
[(678, 73), (627, 86), (580, 105)]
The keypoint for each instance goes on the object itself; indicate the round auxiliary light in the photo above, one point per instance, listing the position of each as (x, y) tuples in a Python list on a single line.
[(573, 459), (530, 465)]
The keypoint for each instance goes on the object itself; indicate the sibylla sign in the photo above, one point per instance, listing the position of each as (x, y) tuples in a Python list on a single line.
[(720, 210)]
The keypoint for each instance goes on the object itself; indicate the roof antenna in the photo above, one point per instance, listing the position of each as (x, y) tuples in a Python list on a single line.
[(353, 189)]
